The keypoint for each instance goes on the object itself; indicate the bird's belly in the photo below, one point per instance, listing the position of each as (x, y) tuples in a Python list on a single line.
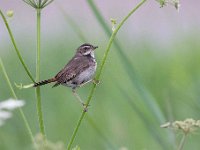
[(69, 84), (86, 75), (82, 78)]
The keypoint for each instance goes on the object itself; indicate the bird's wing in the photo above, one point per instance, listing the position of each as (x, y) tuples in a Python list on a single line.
[(75, 66)]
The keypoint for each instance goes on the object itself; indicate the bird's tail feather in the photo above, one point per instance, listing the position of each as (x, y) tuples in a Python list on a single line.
[(44, 82)]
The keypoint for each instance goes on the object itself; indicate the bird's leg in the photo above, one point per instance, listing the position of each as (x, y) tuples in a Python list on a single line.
[(77, 97), (85, 106), (92, 80)]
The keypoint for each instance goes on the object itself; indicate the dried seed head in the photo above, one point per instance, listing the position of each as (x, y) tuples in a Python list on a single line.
[(187, 126)]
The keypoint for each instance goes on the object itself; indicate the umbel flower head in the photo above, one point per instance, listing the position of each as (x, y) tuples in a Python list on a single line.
[(186, 126), (38, 4)]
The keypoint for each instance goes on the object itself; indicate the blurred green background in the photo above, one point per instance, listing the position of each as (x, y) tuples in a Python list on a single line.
[(154, 79)]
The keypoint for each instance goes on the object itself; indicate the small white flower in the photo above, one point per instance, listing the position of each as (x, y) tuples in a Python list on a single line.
[(11, 104), (5, 115), (188, 125), (7, 106)]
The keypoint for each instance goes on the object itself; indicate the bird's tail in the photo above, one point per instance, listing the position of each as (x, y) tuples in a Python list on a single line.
[(44, 82)]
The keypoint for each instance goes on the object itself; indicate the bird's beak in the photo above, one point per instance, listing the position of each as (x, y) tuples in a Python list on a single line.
[(95, 47)]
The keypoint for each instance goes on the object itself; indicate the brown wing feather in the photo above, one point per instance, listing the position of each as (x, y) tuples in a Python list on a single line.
[(72, 69)]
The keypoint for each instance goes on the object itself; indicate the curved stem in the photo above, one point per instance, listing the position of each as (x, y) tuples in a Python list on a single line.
[(100, 72), (38, 94), (15, 46), (15, 96)]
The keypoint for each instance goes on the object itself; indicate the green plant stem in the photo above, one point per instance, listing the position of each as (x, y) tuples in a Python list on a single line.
[(38, 94), (15, 46), (15, 96), (100, 71), (182, 142)]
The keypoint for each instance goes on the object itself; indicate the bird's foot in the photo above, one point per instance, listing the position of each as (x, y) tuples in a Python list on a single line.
[(85, 107), (95, 81)]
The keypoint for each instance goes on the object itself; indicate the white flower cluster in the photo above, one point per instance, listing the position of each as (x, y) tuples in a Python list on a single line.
[(44, 144), (6, 108), (187, 125)]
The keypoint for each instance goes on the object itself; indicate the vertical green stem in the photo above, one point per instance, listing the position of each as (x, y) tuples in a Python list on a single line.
[(38, 44), (15, 96), (100, 71), (38, 94)]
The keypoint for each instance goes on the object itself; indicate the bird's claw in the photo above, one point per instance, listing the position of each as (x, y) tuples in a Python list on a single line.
[(85, 107), (95, 81)]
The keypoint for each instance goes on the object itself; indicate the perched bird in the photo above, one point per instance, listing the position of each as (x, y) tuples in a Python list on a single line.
[(77, 72)]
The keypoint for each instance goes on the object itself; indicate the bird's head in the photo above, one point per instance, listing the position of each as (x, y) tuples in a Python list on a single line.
[(86, 49)]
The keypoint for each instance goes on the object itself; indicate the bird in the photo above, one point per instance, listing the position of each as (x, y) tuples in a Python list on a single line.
[(77, 72)]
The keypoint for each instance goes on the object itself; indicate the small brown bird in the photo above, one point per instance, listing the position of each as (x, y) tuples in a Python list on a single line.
[(78, 71)]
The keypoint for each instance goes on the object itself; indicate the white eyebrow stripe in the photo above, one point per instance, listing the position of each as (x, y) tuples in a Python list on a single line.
[(86, 46)]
